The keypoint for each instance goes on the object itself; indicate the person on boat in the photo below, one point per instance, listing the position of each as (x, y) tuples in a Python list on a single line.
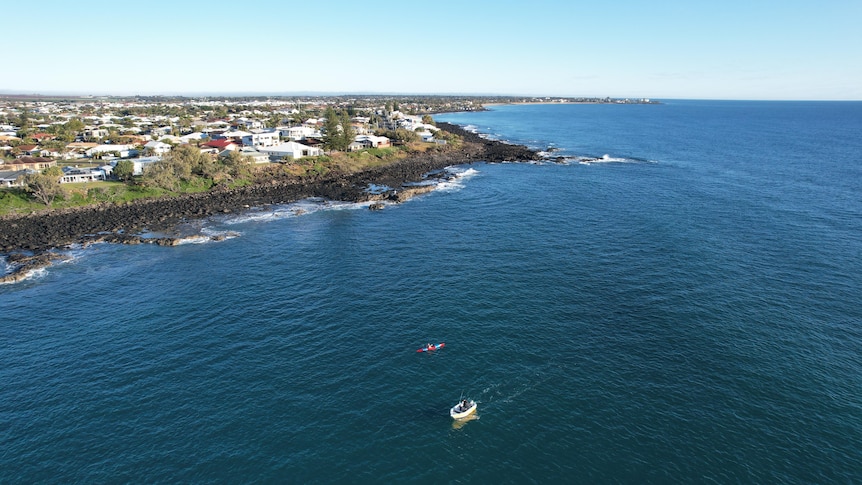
[(464, 405)]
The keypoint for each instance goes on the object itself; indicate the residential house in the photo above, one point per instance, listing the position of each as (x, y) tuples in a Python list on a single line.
[(29, 163), (49, 153), (161, 130), (78, 149), (29, 150), (11, 178), (134, 139), (192, 137), (249, 124), (94, 134), (290, 149), (40, 137), (220, 144), (235, 135), (262, 138), (299, 132), (124, 151), (139, 163), (255, 155), (9, 131), (426, 135), (74, 174), (157, 147), (368, 141)]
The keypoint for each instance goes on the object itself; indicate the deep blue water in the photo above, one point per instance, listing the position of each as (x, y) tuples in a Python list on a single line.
[(689, 314)]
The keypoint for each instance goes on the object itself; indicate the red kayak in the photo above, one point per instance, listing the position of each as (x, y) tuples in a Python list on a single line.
[(429, 348)]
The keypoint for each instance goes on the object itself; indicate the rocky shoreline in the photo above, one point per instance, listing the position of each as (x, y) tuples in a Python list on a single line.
[(27, 238)]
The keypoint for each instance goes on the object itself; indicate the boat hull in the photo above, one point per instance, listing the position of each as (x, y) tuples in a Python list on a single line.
[(458, 413)]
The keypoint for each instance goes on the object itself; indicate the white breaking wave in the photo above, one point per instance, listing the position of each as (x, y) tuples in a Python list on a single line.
[(215, 236), (294, 209), (194, 240), (457, 177), (30, 275)]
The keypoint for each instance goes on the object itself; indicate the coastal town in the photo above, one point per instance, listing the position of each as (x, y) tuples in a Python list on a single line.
[(87, 137)]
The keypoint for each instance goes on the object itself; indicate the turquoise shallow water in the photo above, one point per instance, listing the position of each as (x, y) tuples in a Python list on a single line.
[(689, 314)]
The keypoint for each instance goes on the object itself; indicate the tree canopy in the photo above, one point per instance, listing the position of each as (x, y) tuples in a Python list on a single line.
[(124, 170), (44, 186), (338, 133), (185, 164)]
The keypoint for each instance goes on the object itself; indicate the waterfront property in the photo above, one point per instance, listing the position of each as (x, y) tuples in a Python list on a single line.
[(290, 149)]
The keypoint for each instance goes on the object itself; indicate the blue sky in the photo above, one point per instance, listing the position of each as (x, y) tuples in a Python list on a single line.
[(750, 49)]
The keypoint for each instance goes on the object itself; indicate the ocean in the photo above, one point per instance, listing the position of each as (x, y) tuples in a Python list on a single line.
[(676, 301)]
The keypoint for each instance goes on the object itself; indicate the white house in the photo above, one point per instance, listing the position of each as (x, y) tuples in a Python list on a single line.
[(426, 135), (300, 132), (123, 150), (290, 149), (248, 123), (9, 178), (369, 141), (140, 163), (261, 138), (95, 133), (157, 147), (73, 174), (192, 137), (235, 135)]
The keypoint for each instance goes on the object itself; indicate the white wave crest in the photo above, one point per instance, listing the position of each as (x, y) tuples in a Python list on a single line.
[(194, 240), (456, 178), (605, 159), (294, 209)]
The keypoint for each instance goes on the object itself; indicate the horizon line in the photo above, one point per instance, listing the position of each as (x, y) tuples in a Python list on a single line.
[(240, 94)]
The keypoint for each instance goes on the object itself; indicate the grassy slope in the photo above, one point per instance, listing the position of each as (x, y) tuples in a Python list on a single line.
[(16, 201)]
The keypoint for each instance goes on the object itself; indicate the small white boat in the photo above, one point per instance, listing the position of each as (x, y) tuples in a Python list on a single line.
[(463, 409)]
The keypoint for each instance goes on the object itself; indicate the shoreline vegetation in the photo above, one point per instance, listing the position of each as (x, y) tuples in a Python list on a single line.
[(27, 239)]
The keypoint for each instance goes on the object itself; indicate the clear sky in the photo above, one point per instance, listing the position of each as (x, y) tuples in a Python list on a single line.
[(747, 49)]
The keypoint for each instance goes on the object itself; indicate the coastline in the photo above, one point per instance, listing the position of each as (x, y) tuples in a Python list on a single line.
[(26, 240)]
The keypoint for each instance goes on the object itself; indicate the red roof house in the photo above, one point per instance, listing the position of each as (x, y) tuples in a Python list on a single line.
[(221, 144)]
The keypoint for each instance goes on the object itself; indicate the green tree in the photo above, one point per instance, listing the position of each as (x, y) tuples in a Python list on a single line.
[(400, 135), (74, 125), (331, 130), (347, 131), (236, 165), (44, 186), (428, 120), (124, 170), (180, 165)]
